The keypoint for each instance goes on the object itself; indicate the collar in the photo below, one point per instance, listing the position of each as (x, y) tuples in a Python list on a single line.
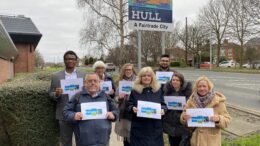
[(74, 72)]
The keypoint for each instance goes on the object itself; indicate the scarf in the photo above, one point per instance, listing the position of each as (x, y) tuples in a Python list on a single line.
[(203, 101)]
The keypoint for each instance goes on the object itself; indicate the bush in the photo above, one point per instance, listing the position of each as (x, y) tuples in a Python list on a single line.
[(27, 114), (175, 64)]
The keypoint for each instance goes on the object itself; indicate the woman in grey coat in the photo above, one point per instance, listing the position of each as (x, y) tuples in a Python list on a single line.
[(171, 121), (123, 124)]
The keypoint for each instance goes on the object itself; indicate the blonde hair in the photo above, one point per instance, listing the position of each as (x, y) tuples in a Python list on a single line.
[(138, 86), (202, 78), (99, 63), (122, 71)]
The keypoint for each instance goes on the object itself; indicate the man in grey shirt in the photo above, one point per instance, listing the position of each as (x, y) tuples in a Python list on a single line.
[(56, 92)]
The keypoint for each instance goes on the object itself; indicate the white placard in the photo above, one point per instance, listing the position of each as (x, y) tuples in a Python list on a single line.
[(125, 87), (163, 76), (71, 86), (149, 110), (200, 117), (94, 110), (106, 86), (175, 102)]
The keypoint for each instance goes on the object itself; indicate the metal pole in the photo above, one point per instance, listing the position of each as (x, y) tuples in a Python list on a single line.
[(210, 50), (163, 42), (139, 33)]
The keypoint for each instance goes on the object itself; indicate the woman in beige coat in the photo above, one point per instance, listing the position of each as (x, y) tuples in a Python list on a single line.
[(203, 96)]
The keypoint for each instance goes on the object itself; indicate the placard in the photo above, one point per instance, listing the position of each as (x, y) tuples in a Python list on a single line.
[(94, 110), (149, 110), (200, 117)]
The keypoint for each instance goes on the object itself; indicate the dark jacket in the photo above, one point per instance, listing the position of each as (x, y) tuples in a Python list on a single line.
[(145, 131), (108, 78), (90, 132), (171, 120), (63, 99)]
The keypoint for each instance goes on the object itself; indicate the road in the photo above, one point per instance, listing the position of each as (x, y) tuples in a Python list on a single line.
[(241, 89)]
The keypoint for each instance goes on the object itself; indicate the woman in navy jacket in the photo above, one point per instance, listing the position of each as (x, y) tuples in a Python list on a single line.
[(146, 131)]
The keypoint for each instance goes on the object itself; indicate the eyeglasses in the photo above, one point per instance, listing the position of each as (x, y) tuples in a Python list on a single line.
[(92, 81)]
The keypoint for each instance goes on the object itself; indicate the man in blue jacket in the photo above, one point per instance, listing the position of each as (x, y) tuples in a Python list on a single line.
[(91, 132)]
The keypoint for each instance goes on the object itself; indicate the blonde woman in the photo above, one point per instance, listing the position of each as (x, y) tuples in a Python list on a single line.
[(123, 125), (203, 96), (145, 131)]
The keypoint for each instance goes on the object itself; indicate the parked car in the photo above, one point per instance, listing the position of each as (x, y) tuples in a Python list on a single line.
[(205, 65), (247, 65), (256, 64), (228, 64), (110, 67)]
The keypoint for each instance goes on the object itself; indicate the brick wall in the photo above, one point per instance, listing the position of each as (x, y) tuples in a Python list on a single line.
[(25, 62), (6, 70)]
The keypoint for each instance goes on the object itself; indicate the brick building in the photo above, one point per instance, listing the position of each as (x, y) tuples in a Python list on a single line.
[(25, 36), (8, 53)]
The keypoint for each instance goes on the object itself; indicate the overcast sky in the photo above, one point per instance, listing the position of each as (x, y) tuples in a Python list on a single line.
[(60, 22)]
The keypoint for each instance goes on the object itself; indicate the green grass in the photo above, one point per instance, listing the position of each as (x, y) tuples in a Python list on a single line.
[(253, 140)]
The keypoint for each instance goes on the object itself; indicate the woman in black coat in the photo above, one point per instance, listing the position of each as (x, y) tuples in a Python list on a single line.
[(171, 121), (146, 131)]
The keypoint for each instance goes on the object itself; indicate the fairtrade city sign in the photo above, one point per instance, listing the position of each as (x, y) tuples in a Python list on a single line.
[(153, 15)]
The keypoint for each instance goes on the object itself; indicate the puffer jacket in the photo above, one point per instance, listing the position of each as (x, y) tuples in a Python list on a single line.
[(171, 121)]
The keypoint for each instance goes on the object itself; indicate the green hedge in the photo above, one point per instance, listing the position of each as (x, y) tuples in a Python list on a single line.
[(175, 64), (27, 114)]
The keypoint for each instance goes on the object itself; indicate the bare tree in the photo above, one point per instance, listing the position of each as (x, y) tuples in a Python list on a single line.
[(241, 24), (39, 61), (215, 17), (254, 10), (112, 16)]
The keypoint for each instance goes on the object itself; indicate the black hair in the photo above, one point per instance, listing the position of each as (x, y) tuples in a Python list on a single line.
[(165, 55), (70, 53)]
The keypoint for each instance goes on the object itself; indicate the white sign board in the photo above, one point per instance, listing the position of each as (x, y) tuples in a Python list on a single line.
[(71, 86), (200, 117), (149, 110), (94, 110), (175, 102)]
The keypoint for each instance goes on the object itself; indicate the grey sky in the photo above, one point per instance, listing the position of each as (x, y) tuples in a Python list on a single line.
[(60, 22)]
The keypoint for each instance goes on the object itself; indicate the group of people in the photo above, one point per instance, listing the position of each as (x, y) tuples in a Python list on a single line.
[(122, 108)]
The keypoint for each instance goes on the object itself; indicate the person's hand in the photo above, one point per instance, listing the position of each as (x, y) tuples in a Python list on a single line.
[(111, 92), (135, 109), (186, 117), (214, 118), (110, 116), (78, 116), (162, 112), (122, 96), (58, 91)]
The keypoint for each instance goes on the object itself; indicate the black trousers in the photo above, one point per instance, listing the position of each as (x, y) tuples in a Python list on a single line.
[(174, 141), (66, 132)]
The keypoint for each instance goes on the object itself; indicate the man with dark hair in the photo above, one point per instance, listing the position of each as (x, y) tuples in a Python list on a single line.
[(165, 63), (56, 92)]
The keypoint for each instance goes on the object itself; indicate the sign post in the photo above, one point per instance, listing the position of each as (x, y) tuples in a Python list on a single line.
[(150, 15)]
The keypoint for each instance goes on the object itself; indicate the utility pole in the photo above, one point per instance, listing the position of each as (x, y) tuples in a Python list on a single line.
[(186, 41)]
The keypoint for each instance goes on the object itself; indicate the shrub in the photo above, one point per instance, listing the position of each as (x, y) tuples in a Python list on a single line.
[(27, 114), (175, 64)]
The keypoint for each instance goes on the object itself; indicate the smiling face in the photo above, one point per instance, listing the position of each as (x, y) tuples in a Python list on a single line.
[(92, 83), (100, 71), (203, 88), (146, 79), (70, 61), (164, 62), (129, 71), (176, 83)]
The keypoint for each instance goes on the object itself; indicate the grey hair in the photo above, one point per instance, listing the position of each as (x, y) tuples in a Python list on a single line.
[(99, 63)]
